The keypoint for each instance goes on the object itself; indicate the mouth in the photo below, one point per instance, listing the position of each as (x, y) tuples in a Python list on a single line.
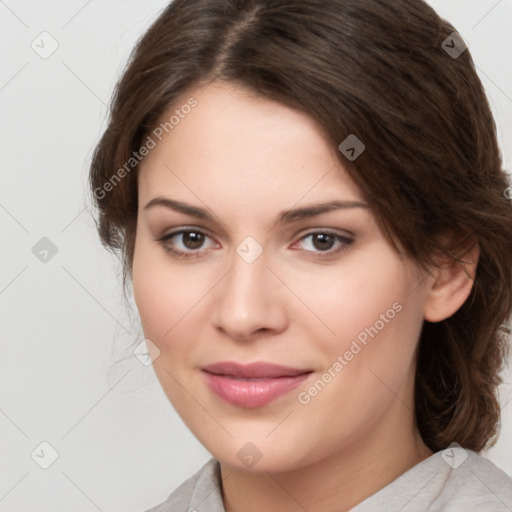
[(252, 385)]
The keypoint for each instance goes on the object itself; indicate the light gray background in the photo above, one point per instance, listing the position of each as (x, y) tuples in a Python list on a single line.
[(121, 446)]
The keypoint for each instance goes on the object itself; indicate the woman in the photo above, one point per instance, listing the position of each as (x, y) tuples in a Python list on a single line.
[(311, 207)]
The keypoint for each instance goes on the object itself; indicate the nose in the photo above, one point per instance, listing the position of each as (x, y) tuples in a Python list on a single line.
[(249, 301)]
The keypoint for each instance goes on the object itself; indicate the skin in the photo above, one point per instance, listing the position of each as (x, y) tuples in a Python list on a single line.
[(245, 159)]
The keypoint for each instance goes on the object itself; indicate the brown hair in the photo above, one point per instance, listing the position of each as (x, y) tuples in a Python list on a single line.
[(431, 163)]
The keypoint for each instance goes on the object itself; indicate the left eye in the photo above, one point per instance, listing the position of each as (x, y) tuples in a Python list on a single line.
[(323, 242), (192, 241)]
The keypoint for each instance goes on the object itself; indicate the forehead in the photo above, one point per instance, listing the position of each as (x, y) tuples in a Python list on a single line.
[(234, 144)]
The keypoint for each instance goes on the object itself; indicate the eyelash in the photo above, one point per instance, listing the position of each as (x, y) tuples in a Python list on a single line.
[(163, 241)]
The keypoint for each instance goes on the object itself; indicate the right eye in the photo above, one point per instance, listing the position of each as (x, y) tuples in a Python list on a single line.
[(187, 244)]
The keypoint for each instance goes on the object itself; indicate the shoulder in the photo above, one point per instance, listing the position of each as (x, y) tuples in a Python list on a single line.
[(473, 480), (202, 491), (452, 480)]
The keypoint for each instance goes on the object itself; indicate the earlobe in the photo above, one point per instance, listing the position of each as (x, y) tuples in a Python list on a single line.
[(451, 283)]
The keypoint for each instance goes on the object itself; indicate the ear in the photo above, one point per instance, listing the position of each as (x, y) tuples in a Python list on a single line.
[(451, 281)]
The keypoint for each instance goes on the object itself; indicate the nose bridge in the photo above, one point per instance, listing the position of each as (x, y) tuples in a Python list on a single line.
[(246, 283), (247, 301)]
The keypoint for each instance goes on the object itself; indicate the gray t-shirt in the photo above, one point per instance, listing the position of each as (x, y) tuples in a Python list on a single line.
[(452, 480)]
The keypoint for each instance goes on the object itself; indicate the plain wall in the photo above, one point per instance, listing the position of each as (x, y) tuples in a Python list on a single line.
[(121, 446)]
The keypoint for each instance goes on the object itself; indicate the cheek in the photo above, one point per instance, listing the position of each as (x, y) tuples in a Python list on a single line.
[(160, 295), (163, 304), (349, 300), (172, 301), (377, 320)]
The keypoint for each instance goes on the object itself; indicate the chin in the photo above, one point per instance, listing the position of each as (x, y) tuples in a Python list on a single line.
[(260, 457)]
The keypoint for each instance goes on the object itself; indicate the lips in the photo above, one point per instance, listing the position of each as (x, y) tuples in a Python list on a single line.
[(259, 370), (252, 385)]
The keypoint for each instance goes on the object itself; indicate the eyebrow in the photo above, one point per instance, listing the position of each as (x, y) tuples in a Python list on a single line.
[(284, 217)]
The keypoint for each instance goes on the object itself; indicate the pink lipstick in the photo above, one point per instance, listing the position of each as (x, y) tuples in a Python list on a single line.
[(252, 385)]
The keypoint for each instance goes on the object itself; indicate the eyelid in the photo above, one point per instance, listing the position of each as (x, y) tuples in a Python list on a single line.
[(346, 240), (299, 234), (320, 229), (186, 229)]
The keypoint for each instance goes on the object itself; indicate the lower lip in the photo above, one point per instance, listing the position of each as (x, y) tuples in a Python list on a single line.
[(252, 393)]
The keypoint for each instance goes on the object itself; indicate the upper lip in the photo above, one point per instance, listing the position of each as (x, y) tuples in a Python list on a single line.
[(259, 369)]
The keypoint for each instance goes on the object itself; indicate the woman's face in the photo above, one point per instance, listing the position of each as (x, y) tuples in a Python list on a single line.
[(263, 280)]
